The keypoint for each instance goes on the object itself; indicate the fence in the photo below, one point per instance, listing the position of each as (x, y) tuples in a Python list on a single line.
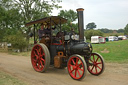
[(4, 47)]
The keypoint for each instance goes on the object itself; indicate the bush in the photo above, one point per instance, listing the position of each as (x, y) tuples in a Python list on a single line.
[(89, 33), (2, 34), (17, 41)]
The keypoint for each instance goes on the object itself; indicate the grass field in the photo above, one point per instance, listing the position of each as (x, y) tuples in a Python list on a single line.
[(6, 79), (114, 51)]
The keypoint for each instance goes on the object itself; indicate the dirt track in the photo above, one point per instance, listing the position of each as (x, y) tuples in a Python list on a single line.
[(20, 67)]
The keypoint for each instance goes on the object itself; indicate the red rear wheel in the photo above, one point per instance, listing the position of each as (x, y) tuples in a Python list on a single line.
[(76, 67), (96, 64), (40, 57)]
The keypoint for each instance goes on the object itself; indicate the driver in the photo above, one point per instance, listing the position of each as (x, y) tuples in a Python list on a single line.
[(44, 32), (41, 32), (48, 30)]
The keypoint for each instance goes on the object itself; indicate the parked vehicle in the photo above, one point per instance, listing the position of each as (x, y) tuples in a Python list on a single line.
[(116, 39), (65, 50), (122, 37), (97, 39), (112, 38)]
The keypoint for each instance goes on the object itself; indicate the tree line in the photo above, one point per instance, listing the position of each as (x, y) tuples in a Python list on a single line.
[(92, 25)]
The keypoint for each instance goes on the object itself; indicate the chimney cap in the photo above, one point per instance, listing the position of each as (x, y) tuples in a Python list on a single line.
[(80, 9)]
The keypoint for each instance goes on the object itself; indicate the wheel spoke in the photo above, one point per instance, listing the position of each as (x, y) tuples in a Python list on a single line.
[(99, 63), (43, 54), (72, 70), (99, 67), (35, 54), (96, 69), (34, 60), (80, 64), (76, 61), (42, 66), (40, 51), (39, 62), (37, 51), (71, 65), (93, 58), (97, 59), (78, 72), (38, 66), (42, 59), (80, 69), (75, 72), (92, 68), (73, 62)]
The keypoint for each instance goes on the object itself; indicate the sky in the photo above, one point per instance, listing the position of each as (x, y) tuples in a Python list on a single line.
[(111, 14)]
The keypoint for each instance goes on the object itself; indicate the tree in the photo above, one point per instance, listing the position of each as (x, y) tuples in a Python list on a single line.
[(126, 30), (89, 33), (2, 31), (91, 25), (29, 10), (71, 16), (9, 24), (120, 30)]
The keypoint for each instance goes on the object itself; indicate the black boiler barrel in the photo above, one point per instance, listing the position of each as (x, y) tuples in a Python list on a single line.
[(80, 23), (81, 49)]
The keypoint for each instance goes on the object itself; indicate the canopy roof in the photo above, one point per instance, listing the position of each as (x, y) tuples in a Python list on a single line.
[(53, 19)]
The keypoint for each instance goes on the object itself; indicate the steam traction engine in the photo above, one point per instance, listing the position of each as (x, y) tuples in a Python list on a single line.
[(65, 50)]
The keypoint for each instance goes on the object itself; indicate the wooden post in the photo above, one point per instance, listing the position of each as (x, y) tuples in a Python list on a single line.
[(34, 35)]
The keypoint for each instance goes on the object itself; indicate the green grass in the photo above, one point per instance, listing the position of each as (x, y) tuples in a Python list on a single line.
[(115, 51), (6, 79)]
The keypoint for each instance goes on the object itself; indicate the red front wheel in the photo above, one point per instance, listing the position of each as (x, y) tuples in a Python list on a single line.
[(76, 67), (40, 57), (96, 64)]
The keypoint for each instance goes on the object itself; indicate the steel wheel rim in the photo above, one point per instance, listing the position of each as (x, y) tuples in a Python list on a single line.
[(76, 68), (95, 64), (38, 58)]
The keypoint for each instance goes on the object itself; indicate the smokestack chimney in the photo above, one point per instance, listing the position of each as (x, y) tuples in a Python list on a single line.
[(80, 23)]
